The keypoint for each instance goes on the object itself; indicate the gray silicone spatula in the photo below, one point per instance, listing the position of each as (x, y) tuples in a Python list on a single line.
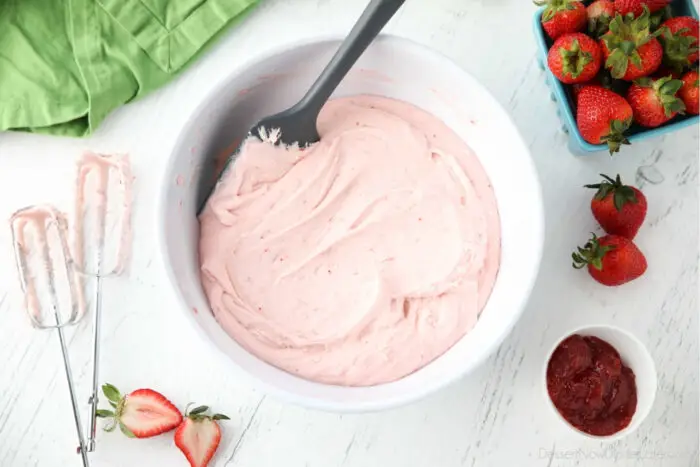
[(298, 123)]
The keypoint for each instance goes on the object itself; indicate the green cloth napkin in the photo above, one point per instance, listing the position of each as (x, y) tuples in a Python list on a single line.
[(65, 64)]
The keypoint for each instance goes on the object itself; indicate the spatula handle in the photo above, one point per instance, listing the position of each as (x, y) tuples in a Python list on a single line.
[(370, 24)]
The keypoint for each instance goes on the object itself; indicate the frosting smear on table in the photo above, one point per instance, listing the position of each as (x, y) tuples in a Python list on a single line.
[(360, 259)]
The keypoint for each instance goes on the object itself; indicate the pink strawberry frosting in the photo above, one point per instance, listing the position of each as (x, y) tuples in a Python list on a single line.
[(360, 259)]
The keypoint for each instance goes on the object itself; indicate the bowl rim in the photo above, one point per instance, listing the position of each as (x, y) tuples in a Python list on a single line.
[(537, 218), (587, 329)]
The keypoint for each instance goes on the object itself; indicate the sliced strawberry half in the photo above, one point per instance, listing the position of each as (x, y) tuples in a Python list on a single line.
[(199, 436), (140, 414)]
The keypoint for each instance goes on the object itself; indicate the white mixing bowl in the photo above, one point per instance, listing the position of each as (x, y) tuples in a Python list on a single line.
[(391, 67)]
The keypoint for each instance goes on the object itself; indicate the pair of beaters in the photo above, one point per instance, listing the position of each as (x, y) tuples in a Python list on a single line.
[(59, 260)]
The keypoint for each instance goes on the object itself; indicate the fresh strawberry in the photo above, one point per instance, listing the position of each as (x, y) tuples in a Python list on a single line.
[(619, 209), (630, 49), (562, 17), (199, 435), (636, 7), (574, 58), (611, 260), (600, 13), (679, 37), (603, 117), (689, 93), (141, 414), (654, 102)]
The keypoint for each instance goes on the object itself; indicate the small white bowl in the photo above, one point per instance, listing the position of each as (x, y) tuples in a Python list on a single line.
[(635, 356), (391, 67)]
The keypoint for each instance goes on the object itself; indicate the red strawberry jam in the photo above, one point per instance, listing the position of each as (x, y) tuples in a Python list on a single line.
[(590, 386)]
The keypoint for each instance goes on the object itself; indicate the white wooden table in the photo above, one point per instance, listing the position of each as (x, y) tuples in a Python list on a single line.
[(496, 416)]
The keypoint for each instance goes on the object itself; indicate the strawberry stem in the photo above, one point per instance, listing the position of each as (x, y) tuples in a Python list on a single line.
[(677, 47), (198, 410), (622, 194), (101, 413), (200, 413), (111, 393), (591, 254), (599, 25), (117, 402), (110, 426), (574, 60), (127, 432), (616, 137), (626, 35), (555, 6), (666, 89)]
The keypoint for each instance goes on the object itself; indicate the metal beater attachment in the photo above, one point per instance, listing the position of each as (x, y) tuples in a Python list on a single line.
[(102, 237), (52, 292)]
